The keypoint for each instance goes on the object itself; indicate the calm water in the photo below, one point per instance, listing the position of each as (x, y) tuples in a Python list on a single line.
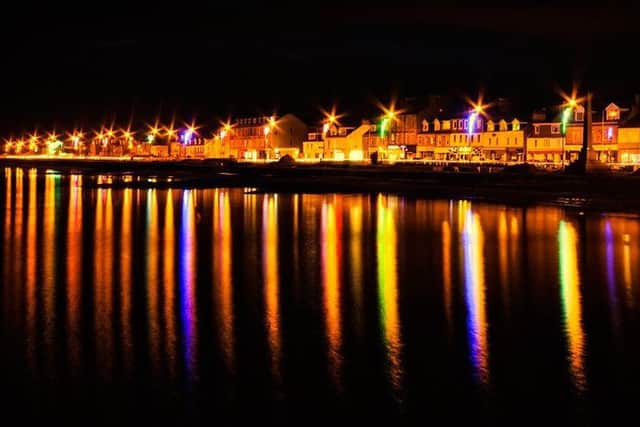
[(217, 306)]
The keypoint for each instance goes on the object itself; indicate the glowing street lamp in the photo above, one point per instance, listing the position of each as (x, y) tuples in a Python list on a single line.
[(572, 103), (153, 132)]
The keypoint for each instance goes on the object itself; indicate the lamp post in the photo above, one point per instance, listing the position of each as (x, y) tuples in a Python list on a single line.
[(566, 116)]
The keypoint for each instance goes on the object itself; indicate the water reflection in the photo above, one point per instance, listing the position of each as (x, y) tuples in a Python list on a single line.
[(386, 246), (446, 270), (331, 254), (102, 285), (223, 290), (152, 245), (169, 281), (103, 282), (74, 271), (475, 297), (187, 267), (30, 285), (626, 263), (572, 302), (271, 279), (126, 289), (355, 237), (49, 261)]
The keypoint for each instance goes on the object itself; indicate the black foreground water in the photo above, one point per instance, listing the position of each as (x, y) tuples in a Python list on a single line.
[(226, 307)]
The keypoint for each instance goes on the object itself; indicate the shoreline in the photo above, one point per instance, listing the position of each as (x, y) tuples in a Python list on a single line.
[(615, 192)]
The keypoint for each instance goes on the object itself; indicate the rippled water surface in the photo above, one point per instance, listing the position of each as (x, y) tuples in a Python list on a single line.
[(219, 306)]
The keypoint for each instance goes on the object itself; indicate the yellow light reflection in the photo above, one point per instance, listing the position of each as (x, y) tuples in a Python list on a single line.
[(271, 280), (446, 270), (8, 230), (475, 289), (49, 266), (223, 291), (503, 245), (330, 245), (571, 302), (386, 249), (355, 229), (168, 275), (31, 270), (103, 282), (74, 271), (17, 230), (152, 242), (125, 278)]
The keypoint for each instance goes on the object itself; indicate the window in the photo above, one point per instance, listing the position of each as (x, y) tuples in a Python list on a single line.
[(536, 130), (466, 124), (446, 124), (455, 124), (425, 126), (490, 126), (503, 125), (555, 129), (436, 124), (515, 124)]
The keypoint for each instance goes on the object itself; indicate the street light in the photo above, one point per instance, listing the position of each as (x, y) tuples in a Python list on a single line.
[(564, 121)]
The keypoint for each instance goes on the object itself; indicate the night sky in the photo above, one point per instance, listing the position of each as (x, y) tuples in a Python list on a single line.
[(66, 66)]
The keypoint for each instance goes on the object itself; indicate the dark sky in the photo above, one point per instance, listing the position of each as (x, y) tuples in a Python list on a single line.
[(67, 66)]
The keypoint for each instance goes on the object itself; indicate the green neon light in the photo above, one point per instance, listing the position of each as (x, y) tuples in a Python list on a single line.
[(566, 114), (383, 126)]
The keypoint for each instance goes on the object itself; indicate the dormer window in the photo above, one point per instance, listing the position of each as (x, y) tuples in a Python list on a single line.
[(455, 124), (446, 124), (515, 124), (503, 125), (491, 126), (436, 125), (536, 130), (612, 112), (578, 114), (425, 126)]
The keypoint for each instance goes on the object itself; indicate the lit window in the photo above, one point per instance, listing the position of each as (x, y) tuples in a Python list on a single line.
[(555, 129), (536, 130), (455, 124)]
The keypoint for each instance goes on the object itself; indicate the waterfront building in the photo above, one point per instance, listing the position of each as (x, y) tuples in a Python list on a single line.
[(604, 130), (544, 142), (629, 136), (264, 137), (450, 138), (313, 145), (503, 140)]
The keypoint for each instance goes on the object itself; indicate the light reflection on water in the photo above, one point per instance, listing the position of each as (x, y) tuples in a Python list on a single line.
[(290, 292)]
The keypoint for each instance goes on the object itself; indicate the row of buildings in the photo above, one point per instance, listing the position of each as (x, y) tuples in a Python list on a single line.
[(435, 133), (438, 129)]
